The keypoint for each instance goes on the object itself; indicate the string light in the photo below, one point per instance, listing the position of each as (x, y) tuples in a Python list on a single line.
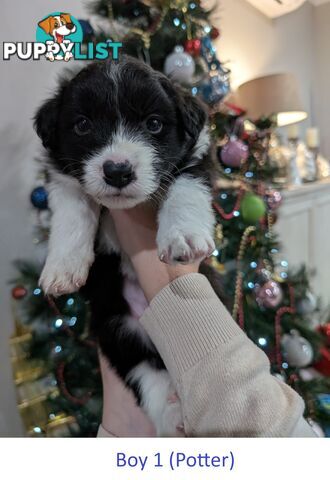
[(72, 321)]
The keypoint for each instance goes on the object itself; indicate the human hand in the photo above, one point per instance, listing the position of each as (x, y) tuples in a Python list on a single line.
[(136, 230), (122, 417)]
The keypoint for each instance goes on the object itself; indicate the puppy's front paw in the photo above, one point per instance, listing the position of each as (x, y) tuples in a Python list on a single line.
[(64, 276), (177, 246)]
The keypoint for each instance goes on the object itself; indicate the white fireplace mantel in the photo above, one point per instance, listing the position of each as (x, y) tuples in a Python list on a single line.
[(304, 231)]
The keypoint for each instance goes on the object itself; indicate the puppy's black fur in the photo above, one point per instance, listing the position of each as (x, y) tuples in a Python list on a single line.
[(133, 93), (107, 95)]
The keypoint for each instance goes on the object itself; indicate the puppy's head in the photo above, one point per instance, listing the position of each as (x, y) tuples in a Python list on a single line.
[(122, 130), (58, 26)]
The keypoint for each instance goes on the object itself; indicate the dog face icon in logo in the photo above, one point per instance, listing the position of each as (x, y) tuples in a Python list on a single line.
[(58, 26), (53, 31)]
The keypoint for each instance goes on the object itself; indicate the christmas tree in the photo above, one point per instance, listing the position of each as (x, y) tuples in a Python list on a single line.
[(55, 360)]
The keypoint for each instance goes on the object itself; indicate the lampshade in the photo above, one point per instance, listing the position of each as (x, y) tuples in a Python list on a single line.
[(272, 95), (276, 8)]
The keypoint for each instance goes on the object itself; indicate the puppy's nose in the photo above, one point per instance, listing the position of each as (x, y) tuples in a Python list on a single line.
[(70, 26), (118, 174)]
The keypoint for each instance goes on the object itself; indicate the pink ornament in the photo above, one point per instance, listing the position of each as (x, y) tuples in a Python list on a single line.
[(234, 153), (269, 295), (273, 199)]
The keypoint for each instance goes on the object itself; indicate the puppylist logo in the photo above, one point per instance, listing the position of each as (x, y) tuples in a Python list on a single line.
[(60, 38)]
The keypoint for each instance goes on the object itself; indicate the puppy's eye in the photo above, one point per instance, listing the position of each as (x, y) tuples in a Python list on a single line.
[(154, 124), (83, 126)]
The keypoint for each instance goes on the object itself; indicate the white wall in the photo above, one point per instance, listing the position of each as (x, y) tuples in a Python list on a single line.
[(299, 43), (255, 45), (321, 74), (22, 87)]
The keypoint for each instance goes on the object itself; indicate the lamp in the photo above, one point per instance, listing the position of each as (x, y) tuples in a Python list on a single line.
[(272, 95), (276, 8)]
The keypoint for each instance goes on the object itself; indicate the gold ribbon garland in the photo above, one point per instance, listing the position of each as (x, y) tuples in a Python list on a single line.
[(240, 274)]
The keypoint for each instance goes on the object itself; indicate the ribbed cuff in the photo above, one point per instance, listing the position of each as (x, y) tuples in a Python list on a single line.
[(186, 321)]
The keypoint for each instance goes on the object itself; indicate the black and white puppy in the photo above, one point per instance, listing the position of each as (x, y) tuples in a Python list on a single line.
[(119, 134)]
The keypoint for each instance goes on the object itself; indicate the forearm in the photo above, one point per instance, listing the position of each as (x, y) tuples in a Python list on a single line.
[(222, 378)]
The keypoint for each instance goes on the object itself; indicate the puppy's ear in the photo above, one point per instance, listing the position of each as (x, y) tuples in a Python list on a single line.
[(46, 25), (191, 111), (45, 122), (66, 17)]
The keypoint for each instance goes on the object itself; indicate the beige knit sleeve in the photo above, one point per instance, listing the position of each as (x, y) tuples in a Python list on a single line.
[(222, 378)]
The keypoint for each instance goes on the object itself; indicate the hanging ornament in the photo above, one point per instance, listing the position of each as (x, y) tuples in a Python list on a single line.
[(179, 65), (253, 208), (18, 292), (87, 29), (215, 33), (323, 364), (273, 199), (215, 88), (325, 330), (234, 152), (297, 350), (269, 295), (307, 305), (324, 402), (208, 51), (39, 198), (193, 47)]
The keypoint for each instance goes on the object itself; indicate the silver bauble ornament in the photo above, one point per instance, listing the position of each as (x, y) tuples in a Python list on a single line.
[(179, 66), (297, 350)]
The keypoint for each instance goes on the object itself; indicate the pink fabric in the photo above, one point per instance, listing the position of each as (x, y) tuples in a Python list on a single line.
[(135, 298)]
